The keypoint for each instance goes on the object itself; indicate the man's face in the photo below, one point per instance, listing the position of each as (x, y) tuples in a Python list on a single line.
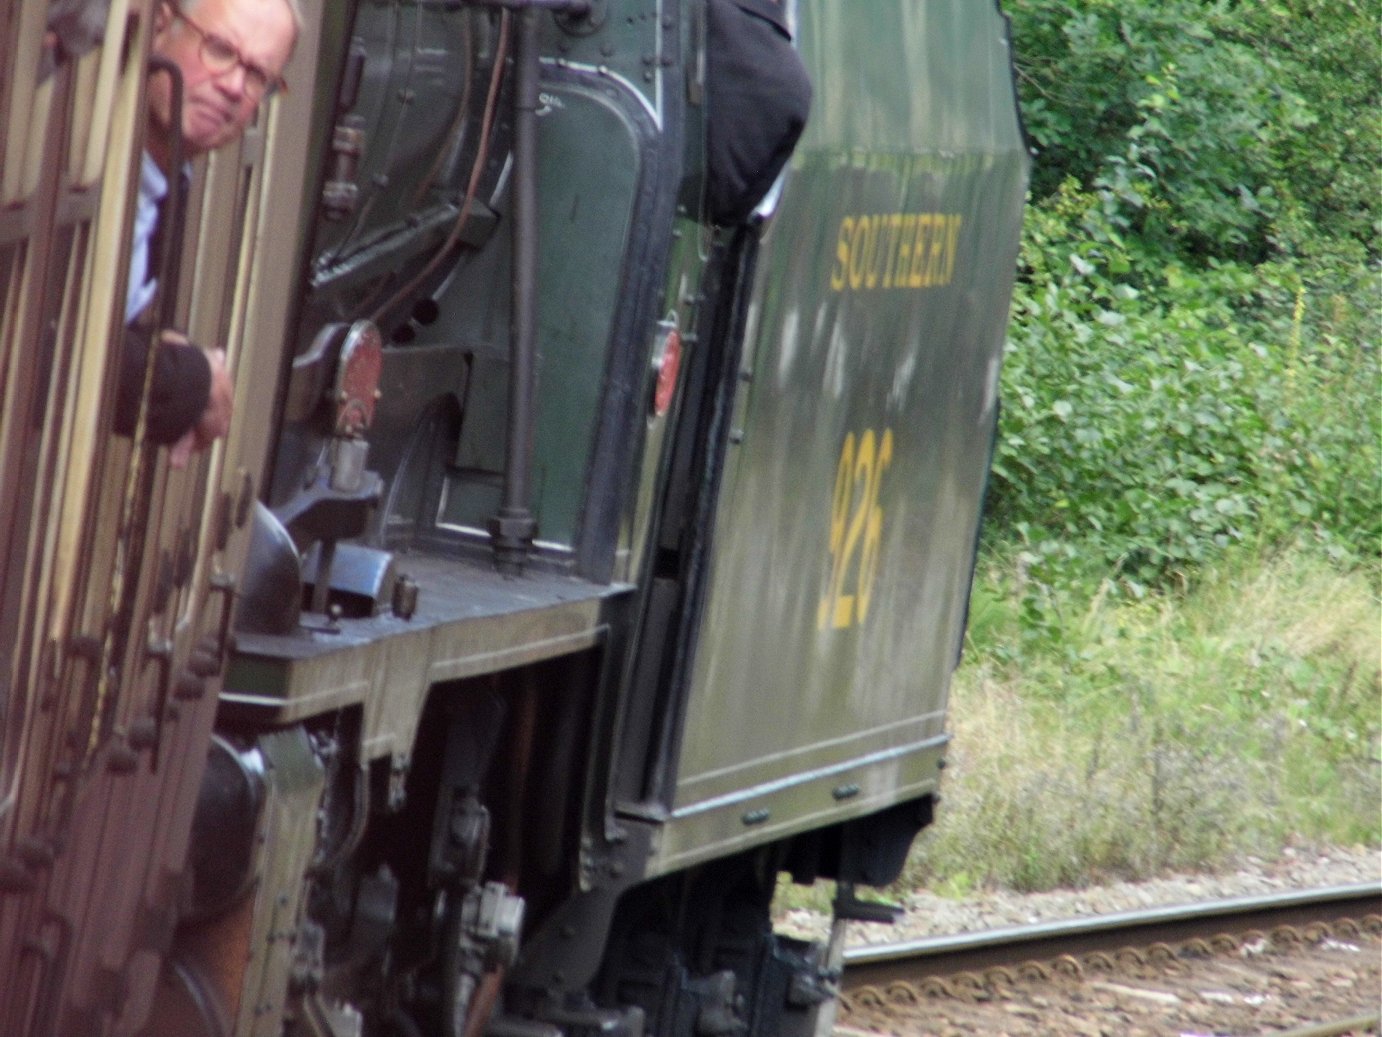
[(218, 102)]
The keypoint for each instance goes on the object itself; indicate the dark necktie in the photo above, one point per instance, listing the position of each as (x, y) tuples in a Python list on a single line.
[(164, 232)]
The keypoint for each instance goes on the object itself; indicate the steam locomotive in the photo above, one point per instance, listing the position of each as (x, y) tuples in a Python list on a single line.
[(591, 546)]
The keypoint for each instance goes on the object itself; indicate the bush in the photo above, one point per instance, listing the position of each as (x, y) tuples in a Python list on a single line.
[(1193, 361), (1155, 426), (1228, 130)]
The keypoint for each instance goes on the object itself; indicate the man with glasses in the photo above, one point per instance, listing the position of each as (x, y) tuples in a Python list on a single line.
[(231, 54)]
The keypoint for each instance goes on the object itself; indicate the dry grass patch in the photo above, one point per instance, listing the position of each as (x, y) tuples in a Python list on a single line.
[(1175, 732)]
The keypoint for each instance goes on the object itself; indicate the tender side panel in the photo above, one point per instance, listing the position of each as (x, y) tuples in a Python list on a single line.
[(845, 531)]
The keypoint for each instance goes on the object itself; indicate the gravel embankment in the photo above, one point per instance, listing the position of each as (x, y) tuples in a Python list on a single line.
[(930, 915)]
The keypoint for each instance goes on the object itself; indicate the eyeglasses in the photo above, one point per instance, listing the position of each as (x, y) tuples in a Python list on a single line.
[(219, 55)]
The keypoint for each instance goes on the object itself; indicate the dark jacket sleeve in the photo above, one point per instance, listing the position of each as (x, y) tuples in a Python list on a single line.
[(181, 387), (758, 95)]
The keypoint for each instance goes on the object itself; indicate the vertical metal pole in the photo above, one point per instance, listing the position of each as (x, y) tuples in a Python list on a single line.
[(513, 528)]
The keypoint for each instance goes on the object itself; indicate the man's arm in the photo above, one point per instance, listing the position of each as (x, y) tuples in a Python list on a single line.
[(215, 418), (181, 392)]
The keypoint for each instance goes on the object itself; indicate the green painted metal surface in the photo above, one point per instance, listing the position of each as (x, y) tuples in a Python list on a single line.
[(587, 200), (845, 532)]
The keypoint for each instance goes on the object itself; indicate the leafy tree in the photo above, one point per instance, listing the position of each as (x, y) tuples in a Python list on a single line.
[(1194, 361), (1209, 121)]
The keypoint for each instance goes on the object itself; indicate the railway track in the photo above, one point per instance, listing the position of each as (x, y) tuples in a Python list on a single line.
[(1246, 965)]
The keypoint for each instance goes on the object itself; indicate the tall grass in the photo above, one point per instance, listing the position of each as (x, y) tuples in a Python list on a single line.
[(1176, 732)]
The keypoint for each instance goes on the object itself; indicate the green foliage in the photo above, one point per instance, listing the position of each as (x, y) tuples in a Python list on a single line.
[(1327, 54), (1156, 426), (1224, 128), (1193, 363)]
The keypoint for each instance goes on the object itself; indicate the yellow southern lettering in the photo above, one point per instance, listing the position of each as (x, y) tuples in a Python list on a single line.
[(917, 277), (896, 250), (841, 271), (952, 244), (907, 227), (935, 260), (894, 226), (871, 252), (856, 254)]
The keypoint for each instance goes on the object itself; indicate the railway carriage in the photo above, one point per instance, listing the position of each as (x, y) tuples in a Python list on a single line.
[(585, 554)]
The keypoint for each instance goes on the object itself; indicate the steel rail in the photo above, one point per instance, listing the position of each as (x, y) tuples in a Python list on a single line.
[(974, 952), (1337, 1027)]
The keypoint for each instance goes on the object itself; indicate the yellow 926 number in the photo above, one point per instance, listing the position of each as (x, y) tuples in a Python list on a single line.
[(856, 528)]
